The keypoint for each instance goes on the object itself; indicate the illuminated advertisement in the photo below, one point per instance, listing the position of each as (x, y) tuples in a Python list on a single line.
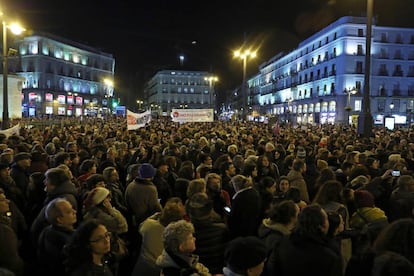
[(61, 110), (32, 96), (49, 97), (79, 100), (61, 99)]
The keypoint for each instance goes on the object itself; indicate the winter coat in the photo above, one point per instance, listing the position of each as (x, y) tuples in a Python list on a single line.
[(296, 180), (49, 250), (369, 213), (92, 270), (181, 265), (9, 255), (20, 176), (244, 218), (211, 241), (307, 255), (65, 190), (151, 231), (141, 197), (401, 205), (271, 233)]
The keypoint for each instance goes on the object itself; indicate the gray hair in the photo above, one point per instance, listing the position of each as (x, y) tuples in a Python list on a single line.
[(176, 233), (53, 211), (239, 182)]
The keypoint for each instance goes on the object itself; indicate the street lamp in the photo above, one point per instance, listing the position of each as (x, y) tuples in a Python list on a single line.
[(244, 55), (140, 103), (210, 80), (289, 102), (15, 29), (181, 57), (392, 107), (109, 91), (348, 107), (365, 119)]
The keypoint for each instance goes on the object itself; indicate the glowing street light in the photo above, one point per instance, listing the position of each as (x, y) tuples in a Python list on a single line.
[(17, 29), (244, 55), (181, 58), (140, 103), (348, 107), (392, 107), (109, 92)]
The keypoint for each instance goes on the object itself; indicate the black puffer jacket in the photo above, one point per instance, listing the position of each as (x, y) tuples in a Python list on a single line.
[(307, 255), (211, 241)]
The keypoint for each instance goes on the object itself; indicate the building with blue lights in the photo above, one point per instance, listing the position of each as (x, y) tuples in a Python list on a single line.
[(62, 77), (321, 81)]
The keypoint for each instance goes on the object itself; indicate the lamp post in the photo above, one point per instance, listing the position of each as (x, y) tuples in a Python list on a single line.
[(140, 103), (391, 108), (348, 106), (16, 29), (365, 119), (210, 80), (109, 88), (244, 55), (289, 102), (181, 58)]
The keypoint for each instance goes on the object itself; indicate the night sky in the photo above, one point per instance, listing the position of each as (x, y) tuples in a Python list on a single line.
[(147, 36)]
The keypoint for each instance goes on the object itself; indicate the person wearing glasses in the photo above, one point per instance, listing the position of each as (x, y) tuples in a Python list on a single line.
[(87, 250)]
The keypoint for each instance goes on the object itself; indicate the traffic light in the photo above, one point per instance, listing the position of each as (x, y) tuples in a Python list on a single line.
[(114, 103)]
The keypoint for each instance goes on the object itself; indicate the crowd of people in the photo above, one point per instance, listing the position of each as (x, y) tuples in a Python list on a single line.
[(219, 198)]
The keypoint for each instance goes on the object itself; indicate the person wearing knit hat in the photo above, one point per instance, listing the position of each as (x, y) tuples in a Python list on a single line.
[(363, 199), (146, 170), (96, 196), (366, 211), (245, 256), (98, 206), (22, 156), (19, 170), (141, 195), (300, 152)]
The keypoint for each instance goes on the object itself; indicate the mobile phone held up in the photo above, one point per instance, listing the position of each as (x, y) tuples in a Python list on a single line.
[(396, 173)]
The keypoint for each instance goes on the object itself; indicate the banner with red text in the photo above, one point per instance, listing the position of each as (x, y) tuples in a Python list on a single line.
[(192, 115)]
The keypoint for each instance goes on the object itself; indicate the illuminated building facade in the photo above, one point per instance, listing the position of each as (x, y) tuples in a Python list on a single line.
[(62, 77), (321, 81), (170, 89)]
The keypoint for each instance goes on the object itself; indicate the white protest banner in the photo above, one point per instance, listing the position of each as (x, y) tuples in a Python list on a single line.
[(137, 120), (10, 131), (192, 115)]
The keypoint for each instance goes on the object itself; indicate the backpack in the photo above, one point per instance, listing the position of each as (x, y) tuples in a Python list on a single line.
[(368, 233)]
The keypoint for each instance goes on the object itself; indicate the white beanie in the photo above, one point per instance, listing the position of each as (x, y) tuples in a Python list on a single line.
[(96, 196)]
